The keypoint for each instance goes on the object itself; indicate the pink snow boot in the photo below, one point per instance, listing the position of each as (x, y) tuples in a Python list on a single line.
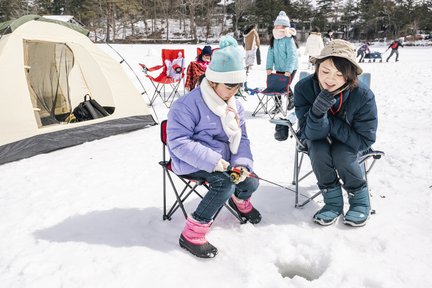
[(245, 209), (193, 239)]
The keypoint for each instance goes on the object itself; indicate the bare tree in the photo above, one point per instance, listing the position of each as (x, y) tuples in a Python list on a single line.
[(193, 6), (240, 8), (209, 10)]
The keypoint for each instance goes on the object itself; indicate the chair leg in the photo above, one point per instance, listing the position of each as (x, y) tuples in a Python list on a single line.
[(179, 200), (375, 155), (298, 161), (173, 94), (295, 176), (176, 204), (193, 189), (164, 217), (262, 105), (181, 197), (156, 93)]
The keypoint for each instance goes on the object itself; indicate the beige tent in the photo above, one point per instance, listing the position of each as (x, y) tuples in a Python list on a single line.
[(46, 68)]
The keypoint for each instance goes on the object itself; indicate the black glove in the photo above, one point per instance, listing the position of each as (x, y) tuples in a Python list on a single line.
[(323, 103)]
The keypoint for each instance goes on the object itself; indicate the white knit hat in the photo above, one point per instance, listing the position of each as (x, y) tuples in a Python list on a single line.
[(282, 19)]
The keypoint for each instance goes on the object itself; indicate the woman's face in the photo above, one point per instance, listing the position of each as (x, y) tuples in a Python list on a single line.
[(206, 58), (279, 27), (329, 77), (226, 91)]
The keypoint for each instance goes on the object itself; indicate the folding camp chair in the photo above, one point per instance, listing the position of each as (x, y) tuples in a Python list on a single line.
[(301, 151), (189, 185), (172, 74), (277, 85)]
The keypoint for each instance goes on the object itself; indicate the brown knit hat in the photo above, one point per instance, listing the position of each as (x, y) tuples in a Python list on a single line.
[(340, 48)]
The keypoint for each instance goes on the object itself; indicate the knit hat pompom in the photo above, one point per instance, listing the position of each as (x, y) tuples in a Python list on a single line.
[(226, 41)]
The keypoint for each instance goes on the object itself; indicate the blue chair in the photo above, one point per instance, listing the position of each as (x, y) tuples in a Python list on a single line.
[(274, 95)]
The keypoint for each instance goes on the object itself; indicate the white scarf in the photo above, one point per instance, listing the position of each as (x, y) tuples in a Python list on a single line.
[(227, 112), (285, 32)]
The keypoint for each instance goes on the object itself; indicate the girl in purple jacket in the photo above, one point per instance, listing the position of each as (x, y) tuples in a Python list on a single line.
[(207, 133)]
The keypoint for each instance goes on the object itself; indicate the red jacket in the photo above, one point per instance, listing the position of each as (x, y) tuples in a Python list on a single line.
[(395, 45), (194, 71)]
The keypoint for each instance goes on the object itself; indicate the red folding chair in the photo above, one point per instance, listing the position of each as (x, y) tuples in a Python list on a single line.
[(184, 188), (172, 74)]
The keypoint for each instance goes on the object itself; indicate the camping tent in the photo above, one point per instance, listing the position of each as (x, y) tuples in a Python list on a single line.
[(46, 69)]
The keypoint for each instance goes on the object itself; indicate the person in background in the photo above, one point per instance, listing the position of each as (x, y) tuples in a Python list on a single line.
[(282, 54), (314, 45), (197, 68), (337, 121), (364, 48), (252, 43), (328, 37), (394, 49), (206, 133)]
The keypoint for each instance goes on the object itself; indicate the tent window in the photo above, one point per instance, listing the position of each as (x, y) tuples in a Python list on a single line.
[(48, 65)]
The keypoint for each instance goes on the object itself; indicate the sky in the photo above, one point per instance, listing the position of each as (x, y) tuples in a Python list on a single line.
[(91, 215)]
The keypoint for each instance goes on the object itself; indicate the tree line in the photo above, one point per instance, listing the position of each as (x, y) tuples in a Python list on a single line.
[(200, 20)]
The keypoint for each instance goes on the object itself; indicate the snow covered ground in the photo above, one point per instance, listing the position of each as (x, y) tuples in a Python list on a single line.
[(91, 215)]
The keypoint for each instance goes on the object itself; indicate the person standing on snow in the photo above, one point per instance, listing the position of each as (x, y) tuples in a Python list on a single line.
[(206, 133), (328, 37), (394, 46), (314, 44), (364, 48), (282, 54), (338, 121), (252, 44)]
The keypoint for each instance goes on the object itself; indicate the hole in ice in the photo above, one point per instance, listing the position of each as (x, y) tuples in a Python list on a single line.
[(304, 269)]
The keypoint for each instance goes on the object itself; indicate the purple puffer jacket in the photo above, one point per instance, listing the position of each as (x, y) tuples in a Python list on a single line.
[(196, 139)]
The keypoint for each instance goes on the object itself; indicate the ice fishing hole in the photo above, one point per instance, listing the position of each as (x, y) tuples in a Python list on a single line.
[(308, 271)]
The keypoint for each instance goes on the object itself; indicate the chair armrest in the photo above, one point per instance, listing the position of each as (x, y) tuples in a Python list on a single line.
[(150, 69), (375, 154), (290, 121)]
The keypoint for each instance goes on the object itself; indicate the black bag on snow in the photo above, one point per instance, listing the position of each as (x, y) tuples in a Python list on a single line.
[(89, 109)]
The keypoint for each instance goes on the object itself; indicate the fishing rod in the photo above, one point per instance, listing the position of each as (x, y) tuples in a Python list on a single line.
[(236, 173)]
